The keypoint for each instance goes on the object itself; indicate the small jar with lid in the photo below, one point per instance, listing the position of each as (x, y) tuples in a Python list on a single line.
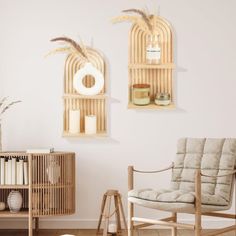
[(163, 99), (141, 94)]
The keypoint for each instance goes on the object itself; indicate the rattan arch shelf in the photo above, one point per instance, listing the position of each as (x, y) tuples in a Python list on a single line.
[(88, 105), (159, 76), (50, 190)]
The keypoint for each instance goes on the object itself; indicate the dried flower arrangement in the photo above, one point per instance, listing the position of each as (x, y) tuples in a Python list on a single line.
[(72, 47), (4, 106), (144, 20)]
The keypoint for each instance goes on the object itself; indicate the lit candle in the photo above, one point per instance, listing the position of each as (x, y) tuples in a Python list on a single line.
[(112, 228), (90, 124), (74, 121)]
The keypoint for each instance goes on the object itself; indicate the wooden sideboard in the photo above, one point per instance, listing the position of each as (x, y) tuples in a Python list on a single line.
[(50, 189)]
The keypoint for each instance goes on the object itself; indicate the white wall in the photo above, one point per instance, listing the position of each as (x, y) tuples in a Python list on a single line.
[(205, 84)]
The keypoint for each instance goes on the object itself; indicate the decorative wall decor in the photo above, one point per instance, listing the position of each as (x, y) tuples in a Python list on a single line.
[(84, 89), (150, 57), (4, 106)]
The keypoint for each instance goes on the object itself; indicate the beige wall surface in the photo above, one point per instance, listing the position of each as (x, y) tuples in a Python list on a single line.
[(205, 82)]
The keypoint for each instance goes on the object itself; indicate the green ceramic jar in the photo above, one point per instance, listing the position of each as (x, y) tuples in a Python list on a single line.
[(141, 94)]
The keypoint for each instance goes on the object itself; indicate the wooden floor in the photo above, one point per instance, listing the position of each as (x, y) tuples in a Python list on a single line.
[(78, 232)]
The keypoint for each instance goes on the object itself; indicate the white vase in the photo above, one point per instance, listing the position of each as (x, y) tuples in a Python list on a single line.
[(91, 70), (14, 201)]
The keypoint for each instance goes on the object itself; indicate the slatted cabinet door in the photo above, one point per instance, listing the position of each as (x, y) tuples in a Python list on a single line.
[(53, 184)]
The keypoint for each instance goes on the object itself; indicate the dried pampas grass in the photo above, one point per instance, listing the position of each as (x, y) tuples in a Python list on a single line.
[(143, 20), (143, 14), (71, 47), (65, 49), (2, 101), (71, 42), (4, 106), (133, 19)]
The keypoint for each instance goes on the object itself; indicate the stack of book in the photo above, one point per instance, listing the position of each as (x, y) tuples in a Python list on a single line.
[(13, 171)]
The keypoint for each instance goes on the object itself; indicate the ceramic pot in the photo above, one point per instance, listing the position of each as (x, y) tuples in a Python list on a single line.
[(14, 201)]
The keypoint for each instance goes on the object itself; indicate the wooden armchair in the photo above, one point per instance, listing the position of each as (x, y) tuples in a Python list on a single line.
[(203, 177)]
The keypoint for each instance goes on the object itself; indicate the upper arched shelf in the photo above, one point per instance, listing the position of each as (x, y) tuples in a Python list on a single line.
[(138, 37)]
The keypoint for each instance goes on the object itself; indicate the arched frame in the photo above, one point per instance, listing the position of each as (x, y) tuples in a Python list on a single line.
[(159, 76), (88, 105)]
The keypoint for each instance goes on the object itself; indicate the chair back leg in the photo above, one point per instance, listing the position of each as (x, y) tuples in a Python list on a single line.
[(130, 222), (198, 204), (174, 229)]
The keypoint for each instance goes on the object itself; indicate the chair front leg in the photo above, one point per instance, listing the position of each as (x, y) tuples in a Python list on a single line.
[(198, 204), (130, 222), (130, 204)]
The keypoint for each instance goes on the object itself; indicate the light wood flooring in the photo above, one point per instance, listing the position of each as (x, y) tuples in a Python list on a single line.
[(77, 232)]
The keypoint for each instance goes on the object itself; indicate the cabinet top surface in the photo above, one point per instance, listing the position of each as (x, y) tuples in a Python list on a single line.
[(16, 153)]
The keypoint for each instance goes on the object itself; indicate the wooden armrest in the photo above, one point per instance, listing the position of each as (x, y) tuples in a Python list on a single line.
[(215, 176), (154, 171)]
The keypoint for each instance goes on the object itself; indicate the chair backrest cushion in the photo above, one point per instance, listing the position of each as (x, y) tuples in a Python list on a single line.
[(213, 157)]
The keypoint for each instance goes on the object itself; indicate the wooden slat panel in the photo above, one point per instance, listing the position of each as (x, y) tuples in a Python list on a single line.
[(53, 198)]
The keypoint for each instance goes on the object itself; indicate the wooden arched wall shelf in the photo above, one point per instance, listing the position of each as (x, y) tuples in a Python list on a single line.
[(159, 76), (88, 105)]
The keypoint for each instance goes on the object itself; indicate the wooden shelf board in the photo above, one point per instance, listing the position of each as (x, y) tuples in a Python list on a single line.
[(10, 186), (102, 134), (98, 96), (8, 214), (151, 106), (152, 66), (49, 185)]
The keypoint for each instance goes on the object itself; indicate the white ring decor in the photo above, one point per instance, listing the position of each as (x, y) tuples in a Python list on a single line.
[(88, 69)]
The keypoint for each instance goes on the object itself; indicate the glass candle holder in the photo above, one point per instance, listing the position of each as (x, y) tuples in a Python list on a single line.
[(141, 94), (163, 99)]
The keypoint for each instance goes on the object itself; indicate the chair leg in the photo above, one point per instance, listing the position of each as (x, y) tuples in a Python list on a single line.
[(198, 227), (174, 229), (198, 204), (130, 222)]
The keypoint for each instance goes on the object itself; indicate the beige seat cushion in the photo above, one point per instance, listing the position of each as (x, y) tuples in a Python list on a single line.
[(175, 206), (175, 200)]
